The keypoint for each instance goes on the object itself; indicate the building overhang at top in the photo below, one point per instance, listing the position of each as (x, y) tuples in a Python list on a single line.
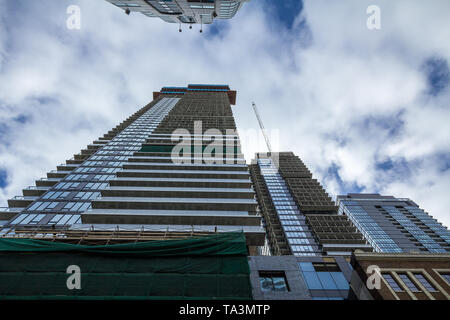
[(182, 11), (198, 88)]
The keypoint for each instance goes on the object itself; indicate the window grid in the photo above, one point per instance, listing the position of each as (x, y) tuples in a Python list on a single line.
[(93, 174)]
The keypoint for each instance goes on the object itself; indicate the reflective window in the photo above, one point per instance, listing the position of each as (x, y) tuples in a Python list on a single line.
[(306, 266), (407, 281), (392, 283), (327, 281), (273, 281), (423, 281), (446, 276), (312, 280), (325, 276), (339, 279)]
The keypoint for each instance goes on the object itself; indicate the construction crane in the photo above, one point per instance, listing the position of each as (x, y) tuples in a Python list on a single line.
[(262, 127)]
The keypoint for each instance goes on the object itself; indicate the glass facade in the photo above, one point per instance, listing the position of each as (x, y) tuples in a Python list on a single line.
[(228, 8), (414, 230), (394, 225), (375, 235), (166, 6), (63, 203), (323, 276), (126, 181), (297, 232), (325, 281), (431, 223)]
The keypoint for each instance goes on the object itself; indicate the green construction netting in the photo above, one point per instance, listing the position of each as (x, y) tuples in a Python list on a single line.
[(210, 267)]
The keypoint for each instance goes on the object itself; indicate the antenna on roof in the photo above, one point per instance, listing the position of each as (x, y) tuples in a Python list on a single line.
[(179, 29), (201, 24)]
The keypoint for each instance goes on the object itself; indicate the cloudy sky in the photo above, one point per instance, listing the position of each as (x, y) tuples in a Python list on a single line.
[(366, 110)]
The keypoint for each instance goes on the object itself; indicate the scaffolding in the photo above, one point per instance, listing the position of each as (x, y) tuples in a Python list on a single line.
[(100, 237)]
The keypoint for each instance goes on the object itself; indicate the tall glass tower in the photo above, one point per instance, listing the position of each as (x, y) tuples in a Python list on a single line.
[(395, 224), (160, 207), (174, 168)]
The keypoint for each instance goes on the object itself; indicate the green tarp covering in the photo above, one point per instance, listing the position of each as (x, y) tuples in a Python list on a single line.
[(211, 267)]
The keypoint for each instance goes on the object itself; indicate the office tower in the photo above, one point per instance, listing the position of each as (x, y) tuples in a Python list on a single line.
[(183, 11), (395, 224), (173, 170), (310, 244)]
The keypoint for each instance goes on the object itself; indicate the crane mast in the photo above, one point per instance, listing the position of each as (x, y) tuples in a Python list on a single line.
[(269, 148)]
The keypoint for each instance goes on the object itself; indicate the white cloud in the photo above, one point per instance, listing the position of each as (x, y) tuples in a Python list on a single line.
[(331, 99)]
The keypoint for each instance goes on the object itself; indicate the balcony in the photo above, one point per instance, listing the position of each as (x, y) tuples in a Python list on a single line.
[(67, 167), (35, 191), (180, 182), (21, 201), (146, 203), (47, 182), (57, 174), (180, 192), (170, 217), (7, 213)]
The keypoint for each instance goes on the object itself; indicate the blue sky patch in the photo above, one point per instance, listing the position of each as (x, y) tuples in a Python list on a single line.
[(22, 118), (396, 169), (284, 11), (211, 29), (333, 171), (393, 124), (438, 74), (443, 161), (3, 176)]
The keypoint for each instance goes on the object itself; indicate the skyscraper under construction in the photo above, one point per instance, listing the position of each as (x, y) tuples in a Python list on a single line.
[(173, 170)]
